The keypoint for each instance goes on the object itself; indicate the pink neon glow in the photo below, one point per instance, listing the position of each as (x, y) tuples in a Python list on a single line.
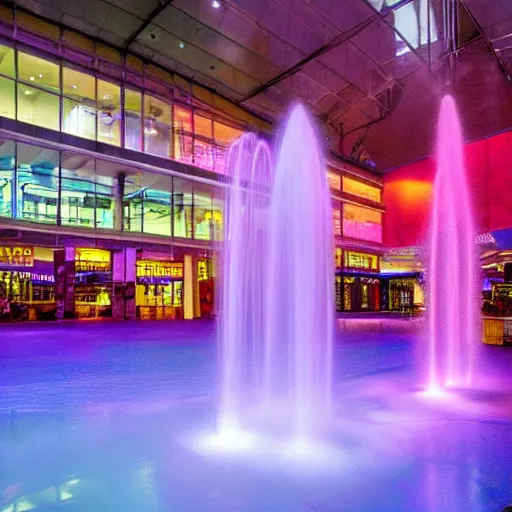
[(452, 271), (362, 230)]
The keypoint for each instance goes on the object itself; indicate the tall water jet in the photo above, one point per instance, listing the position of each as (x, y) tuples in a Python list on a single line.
[(298, 354), (243, 263), (277, 293), (452, 271)]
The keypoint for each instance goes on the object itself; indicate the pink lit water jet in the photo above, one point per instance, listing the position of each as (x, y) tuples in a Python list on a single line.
[(277, 273), (452, 271)]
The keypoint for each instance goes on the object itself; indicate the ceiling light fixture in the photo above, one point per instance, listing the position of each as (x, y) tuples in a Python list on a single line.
[(216, 4), (182, 45), (73, 86), (28, 93), (32, 78), (40, 75)]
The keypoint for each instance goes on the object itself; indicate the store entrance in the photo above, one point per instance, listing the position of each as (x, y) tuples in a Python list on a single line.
[(159, 291), (401, 295)]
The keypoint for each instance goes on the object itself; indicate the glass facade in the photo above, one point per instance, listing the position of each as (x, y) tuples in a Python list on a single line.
[(70, 189), (58, 95), (357, 188), (362, 223)]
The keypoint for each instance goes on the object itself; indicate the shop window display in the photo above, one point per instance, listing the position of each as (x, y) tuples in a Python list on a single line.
[(37, 184), (157, 126), (78, 103)]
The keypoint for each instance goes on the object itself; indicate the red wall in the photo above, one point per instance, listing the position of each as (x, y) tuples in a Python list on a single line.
[(408, 191)]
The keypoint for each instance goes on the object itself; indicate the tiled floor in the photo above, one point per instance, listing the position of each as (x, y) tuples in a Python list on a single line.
[(104, 417)]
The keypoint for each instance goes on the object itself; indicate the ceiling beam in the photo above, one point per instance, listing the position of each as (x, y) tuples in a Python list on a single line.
[(487, 41), (340, 39), (162, 4)]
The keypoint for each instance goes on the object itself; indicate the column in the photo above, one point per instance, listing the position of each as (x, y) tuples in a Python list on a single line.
[(191, 304), (64, 265), (123, 283), (118, 201)]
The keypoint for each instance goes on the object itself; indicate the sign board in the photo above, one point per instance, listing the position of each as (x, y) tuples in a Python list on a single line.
[(18, 256)]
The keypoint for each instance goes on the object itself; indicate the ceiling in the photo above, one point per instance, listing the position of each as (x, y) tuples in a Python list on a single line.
[(371, 70)]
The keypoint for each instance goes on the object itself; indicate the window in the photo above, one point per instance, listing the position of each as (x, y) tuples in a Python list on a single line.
[(39, 72), (336, 218), (38, 107), (360, 189), (7, 153), (79, 103), (183, 208), (7, 61), (157, 126), (411, 20), (362, 223), (183, 142), (224, 135), (7, 98), (132, 119), (203, 215), (334, 180), (87, 192), (157, 204), (37, 184), (204, 150), (108, 101), (133, 203), (217, 215)]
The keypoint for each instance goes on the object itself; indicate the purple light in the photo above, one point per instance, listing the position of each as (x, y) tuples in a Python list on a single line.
[(277, 318), (216, 4), (452, 265)]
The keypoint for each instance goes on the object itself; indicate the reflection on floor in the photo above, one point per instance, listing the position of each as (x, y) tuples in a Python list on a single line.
[(104, 416)]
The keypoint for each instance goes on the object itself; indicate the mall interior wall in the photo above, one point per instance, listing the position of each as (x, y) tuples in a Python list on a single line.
[(408, 191)]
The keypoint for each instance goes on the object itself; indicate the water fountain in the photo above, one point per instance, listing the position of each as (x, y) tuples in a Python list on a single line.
[(276, 335), (452, 271)]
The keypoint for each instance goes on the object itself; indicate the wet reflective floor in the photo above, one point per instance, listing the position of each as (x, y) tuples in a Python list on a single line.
[(114, 417)]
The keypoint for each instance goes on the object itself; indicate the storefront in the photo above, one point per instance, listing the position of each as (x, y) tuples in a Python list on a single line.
[(26, 277), (357, 283), (159, 289), (404, 292), (206, 283), (93, 283)]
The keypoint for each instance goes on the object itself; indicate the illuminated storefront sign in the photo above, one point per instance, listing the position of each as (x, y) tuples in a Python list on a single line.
[(92, 260), (17, 256), (32, 276), (361, 261), (159, 269)]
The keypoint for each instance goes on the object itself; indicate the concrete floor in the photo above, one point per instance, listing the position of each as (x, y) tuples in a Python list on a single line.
[(105, 416)]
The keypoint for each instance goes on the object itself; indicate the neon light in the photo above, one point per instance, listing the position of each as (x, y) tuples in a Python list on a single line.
[(452, 268)]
